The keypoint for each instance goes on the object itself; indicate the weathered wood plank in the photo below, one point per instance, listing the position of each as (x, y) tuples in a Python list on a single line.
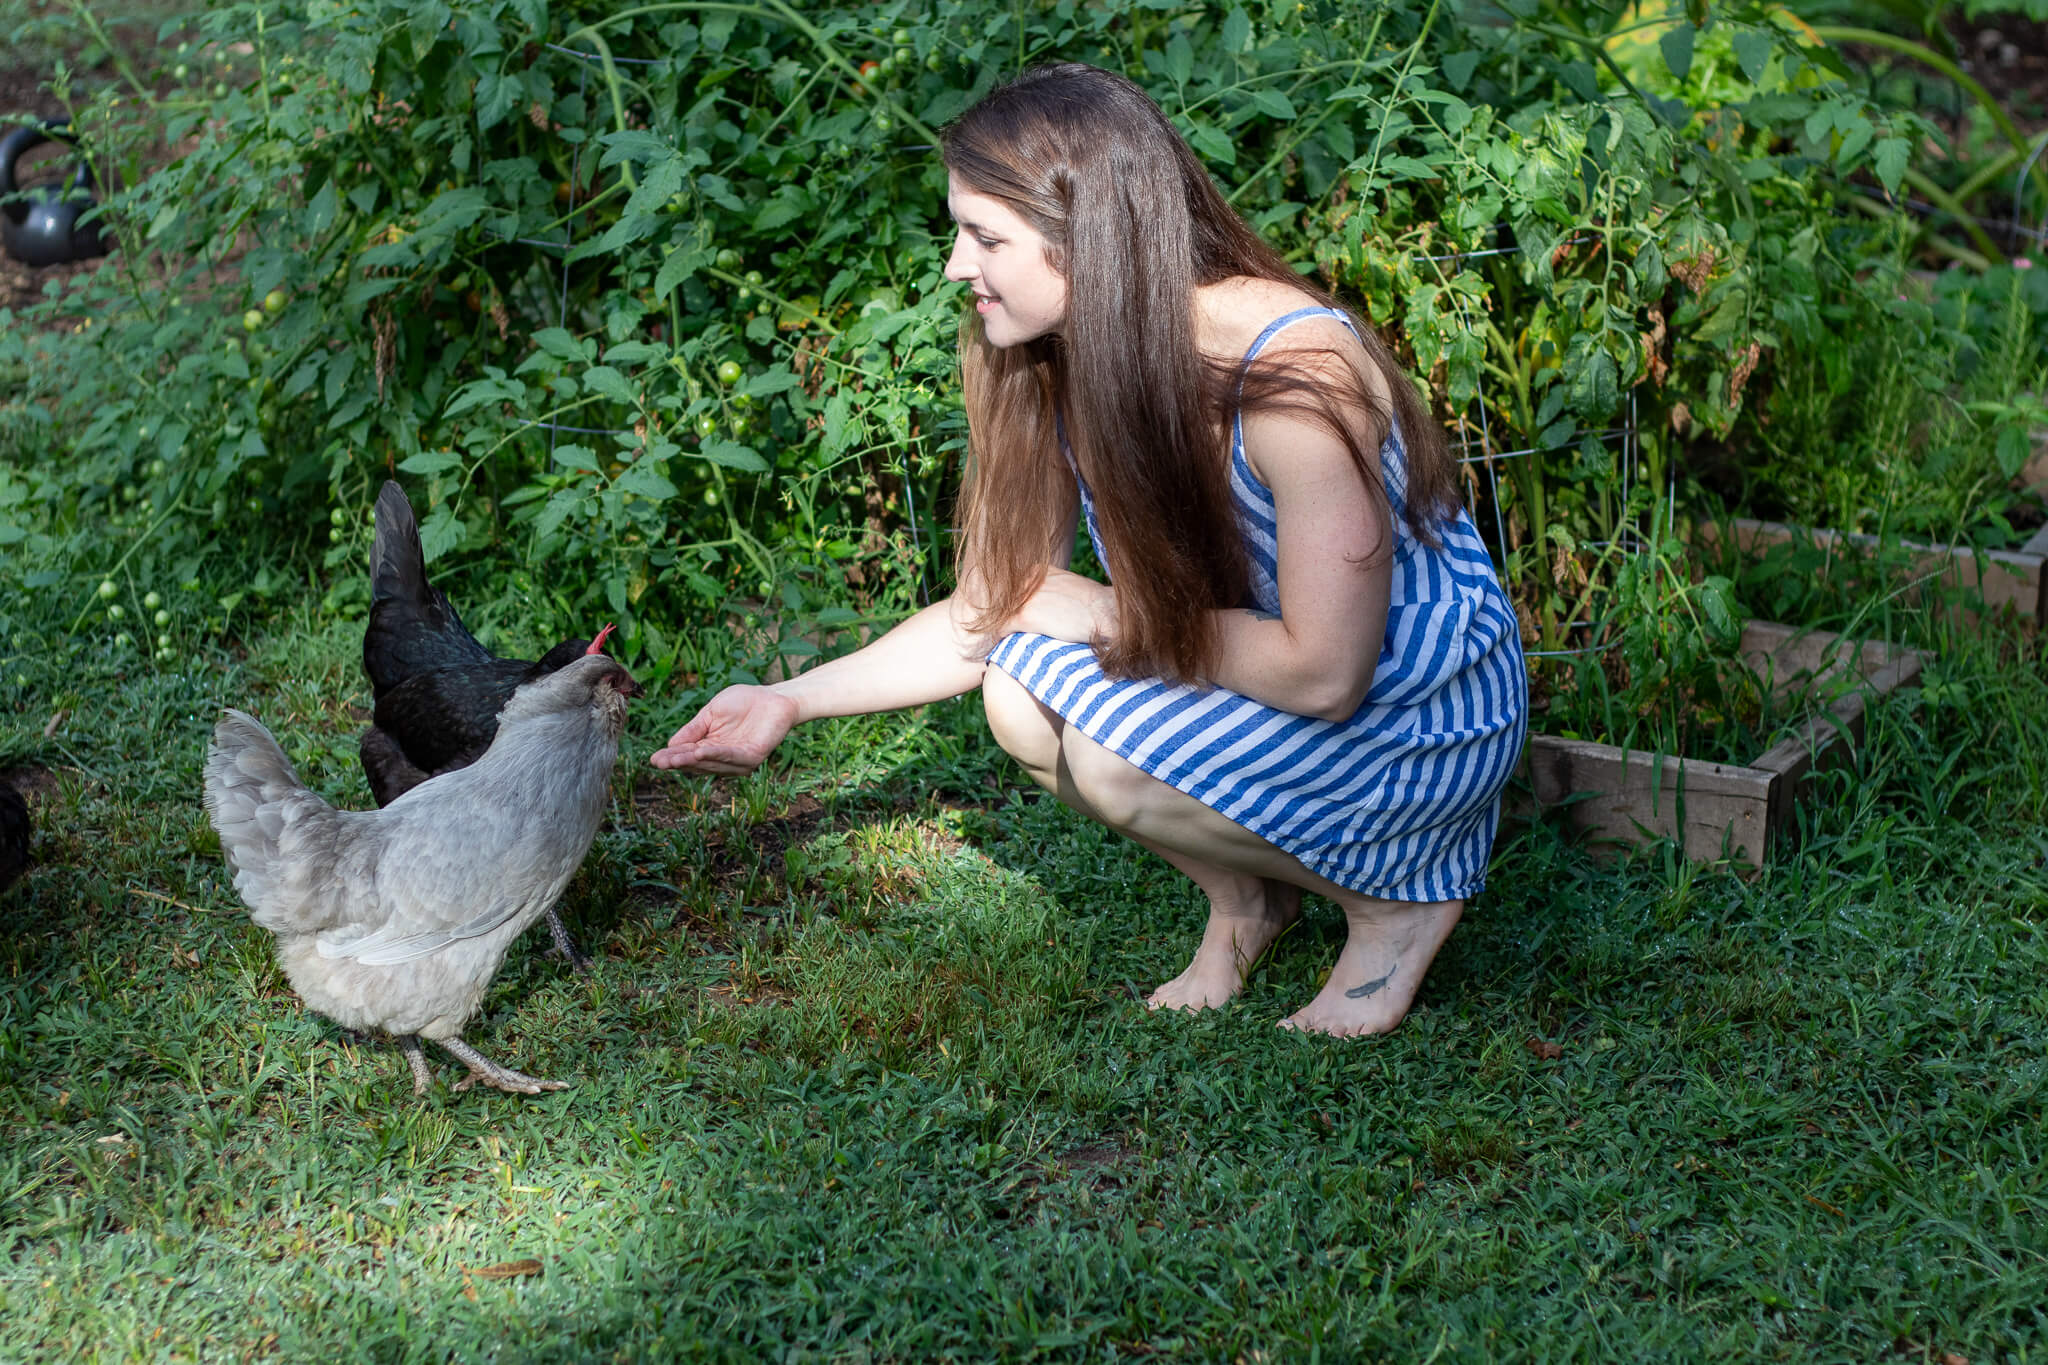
[(1634, 797)]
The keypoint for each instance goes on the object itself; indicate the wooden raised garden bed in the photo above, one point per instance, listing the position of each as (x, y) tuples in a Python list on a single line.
[(1724, 811), (2002, 577), (2015, 578)]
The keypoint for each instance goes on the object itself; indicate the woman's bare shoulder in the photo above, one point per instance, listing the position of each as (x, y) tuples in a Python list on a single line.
[(1230, 314)]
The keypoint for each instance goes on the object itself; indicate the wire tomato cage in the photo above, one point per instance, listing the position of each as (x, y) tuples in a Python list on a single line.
[(1475, 447)]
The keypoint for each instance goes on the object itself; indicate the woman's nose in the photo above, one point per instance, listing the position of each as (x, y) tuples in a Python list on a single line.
[(957, 263)]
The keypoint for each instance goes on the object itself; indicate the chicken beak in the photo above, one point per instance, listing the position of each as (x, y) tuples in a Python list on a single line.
[(597, 645)]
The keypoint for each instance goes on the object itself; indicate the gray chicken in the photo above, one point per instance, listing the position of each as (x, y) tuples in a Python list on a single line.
[(397, 919)]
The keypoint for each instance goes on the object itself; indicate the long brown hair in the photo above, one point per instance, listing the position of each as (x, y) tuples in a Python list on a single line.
[(1133, 223)]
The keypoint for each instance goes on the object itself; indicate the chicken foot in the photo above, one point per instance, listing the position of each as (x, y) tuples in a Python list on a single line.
[(482, 1068), (565, 947)]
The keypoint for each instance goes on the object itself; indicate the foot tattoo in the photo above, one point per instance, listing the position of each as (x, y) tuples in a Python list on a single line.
[(1370, 988)]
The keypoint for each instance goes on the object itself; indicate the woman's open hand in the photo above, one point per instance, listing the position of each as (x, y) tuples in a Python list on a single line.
[(734, 732), (1068, 606)]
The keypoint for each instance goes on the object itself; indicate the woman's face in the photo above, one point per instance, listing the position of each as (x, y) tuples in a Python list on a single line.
[(998, 255)]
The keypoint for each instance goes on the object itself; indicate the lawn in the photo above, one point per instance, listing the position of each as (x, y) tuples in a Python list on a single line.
[(863, 1074)]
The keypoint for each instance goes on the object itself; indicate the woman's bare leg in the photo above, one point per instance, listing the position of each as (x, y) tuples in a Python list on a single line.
[(1246, 912), (1254, 888)]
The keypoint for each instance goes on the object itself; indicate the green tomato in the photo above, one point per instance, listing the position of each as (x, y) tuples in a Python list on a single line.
[(162, 617), (904, 56), (935, 62), (252, 320), (152, 599), (336, 517), (729, 372), (163, 642), (743, 401), (115, 611), (123, 640), (727, 259), (883, 123), (741, 425), (753, 277), (706, 426), (274, 302), (711, 497), (107, 589), (156, 469), (900, 37)]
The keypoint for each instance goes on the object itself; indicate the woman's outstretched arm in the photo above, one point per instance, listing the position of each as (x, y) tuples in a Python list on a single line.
[(927, 658)]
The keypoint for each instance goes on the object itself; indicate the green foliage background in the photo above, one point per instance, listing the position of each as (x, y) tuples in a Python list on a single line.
[(729, 187)]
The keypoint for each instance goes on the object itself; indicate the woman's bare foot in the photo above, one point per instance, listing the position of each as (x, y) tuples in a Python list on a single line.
[(1241, 927), (1390, 946)]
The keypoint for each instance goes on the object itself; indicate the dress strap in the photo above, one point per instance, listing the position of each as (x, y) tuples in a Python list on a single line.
[(1287, 319)]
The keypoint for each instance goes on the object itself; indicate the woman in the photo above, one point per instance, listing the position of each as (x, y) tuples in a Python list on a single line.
[(1305, 675)]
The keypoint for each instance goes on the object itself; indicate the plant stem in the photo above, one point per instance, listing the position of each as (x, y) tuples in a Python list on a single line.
[(1948, 203)]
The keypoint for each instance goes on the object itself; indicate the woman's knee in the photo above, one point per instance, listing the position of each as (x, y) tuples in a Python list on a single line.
[(1025, 727), (1116, 791)]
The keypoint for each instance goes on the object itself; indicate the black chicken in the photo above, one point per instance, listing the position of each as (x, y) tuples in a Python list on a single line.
[(14, 831), (438, 690)]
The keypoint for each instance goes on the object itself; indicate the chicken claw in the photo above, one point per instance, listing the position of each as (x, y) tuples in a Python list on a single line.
[(482, 1068)]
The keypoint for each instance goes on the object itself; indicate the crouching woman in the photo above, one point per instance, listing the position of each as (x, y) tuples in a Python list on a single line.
[(1302, 673)]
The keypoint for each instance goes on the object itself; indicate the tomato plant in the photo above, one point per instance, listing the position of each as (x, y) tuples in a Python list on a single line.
[(524, 279)]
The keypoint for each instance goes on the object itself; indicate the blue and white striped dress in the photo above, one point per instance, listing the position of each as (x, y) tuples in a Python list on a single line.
[(1399, 802)]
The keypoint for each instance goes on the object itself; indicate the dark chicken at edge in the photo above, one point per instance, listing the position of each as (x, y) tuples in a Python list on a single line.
[(14, 835), (438, 691)]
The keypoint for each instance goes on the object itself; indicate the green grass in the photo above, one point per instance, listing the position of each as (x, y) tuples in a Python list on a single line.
[(862, 1075)]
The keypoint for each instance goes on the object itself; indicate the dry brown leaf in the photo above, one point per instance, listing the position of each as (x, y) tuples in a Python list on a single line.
[(505, 1270), (1544, 1050)]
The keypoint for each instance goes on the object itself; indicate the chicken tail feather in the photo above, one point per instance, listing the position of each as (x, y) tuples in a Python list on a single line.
[(398, 565), (413, 626), (258, 806)]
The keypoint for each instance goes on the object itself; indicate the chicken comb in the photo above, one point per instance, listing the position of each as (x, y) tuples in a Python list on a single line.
[(597, 645)]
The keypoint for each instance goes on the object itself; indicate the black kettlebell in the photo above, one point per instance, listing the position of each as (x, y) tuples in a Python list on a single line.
[(39, 226)]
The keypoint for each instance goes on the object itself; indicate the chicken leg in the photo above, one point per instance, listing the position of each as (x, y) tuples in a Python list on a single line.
[(482, 1068), (565, 947), (422, 1077)]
